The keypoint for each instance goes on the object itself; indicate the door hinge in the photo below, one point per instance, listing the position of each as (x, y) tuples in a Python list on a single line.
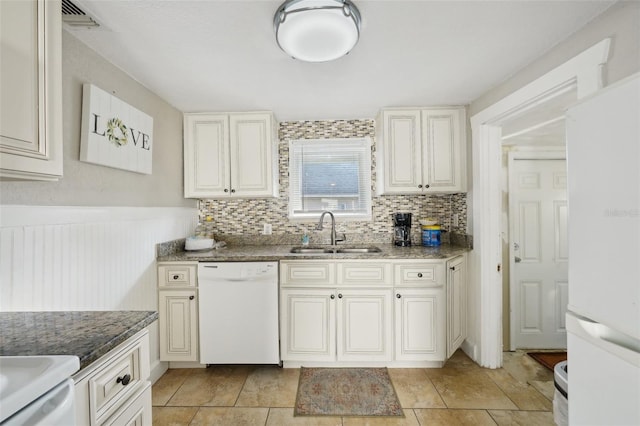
[(499, 267)]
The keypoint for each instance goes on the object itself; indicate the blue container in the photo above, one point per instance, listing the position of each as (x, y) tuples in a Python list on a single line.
[(431, 236)]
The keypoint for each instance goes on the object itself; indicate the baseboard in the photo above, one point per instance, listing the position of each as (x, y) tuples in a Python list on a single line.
[(186, 364), (471, 350), (157, 370)]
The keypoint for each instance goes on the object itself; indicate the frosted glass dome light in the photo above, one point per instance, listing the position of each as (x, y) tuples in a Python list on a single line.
[(317, 30)]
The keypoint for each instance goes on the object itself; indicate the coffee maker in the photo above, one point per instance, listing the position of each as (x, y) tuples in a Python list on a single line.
[(402, 229)]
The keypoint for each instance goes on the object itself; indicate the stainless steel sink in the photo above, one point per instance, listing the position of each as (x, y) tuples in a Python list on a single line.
[(312, 250), (325, 250), (359, 250)]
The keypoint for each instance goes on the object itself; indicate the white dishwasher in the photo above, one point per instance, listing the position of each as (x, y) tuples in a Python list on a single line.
[(238, 312)]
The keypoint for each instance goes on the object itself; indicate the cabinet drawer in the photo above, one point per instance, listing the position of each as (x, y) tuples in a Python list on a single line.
[(115, 382), (363, 273), (136, 411), (307, 273), (429, 274), (178, 275)]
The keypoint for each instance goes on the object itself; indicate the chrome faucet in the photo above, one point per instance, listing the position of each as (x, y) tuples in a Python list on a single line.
[(334, 238)]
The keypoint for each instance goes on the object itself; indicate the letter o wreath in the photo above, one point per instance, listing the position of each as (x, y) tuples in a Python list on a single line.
[(111, 127)]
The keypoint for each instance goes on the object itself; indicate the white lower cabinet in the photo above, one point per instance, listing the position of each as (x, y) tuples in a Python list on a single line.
[(374, 312), (178, 311), (419, 324), (178, 318), (308, 324), (115, 389), (331, 316), (456, 303)]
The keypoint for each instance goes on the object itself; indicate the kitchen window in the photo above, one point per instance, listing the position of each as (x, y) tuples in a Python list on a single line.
[(330, 174)]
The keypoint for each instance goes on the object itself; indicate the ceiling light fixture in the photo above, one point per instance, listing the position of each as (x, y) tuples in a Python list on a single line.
[(317, 30)]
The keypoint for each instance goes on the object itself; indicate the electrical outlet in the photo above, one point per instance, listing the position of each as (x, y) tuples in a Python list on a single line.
[(454, 220), (266, 229)]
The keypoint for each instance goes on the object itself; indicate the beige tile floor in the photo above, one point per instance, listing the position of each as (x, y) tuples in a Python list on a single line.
[(460, 393)]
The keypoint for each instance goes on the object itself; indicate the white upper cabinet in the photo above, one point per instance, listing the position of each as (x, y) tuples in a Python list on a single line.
[(230, 155), (421, 151), (31, 87)]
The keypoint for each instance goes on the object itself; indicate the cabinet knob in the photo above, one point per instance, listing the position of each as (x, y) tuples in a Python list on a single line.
[(453, 268), (333, 296), (124, 379), (426, 186), (233, 190), (419, 274), (226, 190), (419, 186), (191, 297), (398, 295), (340, 296), (175, 277)]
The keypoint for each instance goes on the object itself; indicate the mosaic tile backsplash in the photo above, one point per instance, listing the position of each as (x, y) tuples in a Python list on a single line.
[(241, 220)]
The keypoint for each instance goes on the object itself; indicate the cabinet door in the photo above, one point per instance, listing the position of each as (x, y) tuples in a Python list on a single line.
[(420, 324), (178, 318), (456, 304), (31, 86), (307, 325), (252, 154), (206, 156), (442, 153), (401, 152), (364, 325)]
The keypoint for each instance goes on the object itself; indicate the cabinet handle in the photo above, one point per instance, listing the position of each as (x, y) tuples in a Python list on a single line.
[(340, 296), (333, 296), (398, 296), (226, 190), (233, 190), (419, 186), (419, 274), (124, 379), (191, 297)]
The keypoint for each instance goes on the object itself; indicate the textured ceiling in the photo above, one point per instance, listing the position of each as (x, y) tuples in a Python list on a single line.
[(222, 55)]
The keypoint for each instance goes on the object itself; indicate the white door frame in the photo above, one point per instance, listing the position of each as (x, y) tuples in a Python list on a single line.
[(583, 72), (546, 154)]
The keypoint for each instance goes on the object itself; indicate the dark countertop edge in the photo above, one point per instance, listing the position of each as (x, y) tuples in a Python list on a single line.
[(87, 359), (281, 252)]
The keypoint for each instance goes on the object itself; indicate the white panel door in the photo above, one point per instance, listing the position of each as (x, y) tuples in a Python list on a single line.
[(364, 325), (307, 325), (402, 152), (206, 155), (420, 324), (538, 216), (251, 154), (178, 325)]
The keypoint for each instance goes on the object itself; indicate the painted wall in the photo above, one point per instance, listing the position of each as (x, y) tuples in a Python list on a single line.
[(87, 242), (85, 184), (621, 23)]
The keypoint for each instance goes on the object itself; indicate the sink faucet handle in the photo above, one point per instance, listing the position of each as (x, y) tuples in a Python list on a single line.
[(343, 239)]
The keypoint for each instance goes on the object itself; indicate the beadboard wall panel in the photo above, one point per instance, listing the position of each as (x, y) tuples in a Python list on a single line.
[(84, 258)]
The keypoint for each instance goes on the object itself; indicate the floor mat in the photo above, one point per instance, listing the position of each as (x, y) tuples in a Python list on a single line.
[(548, 359), (346, 392)]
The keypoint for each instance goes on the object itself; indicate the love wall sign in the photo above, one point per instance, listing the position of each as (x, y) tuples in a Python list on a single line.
[(114, 133)]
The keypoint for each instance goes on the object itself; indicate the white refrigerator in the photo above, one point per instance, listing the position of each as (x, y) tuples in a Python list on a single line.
[(603, 319)]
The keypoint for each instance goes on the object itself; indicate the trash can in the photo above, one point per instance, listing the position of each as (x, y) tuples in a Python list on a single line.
[(561, 394)]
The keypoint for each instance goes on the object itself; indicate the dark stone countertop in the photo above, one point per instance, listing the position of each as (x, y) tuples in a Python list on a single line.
[(248, 253), (85, 334)]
